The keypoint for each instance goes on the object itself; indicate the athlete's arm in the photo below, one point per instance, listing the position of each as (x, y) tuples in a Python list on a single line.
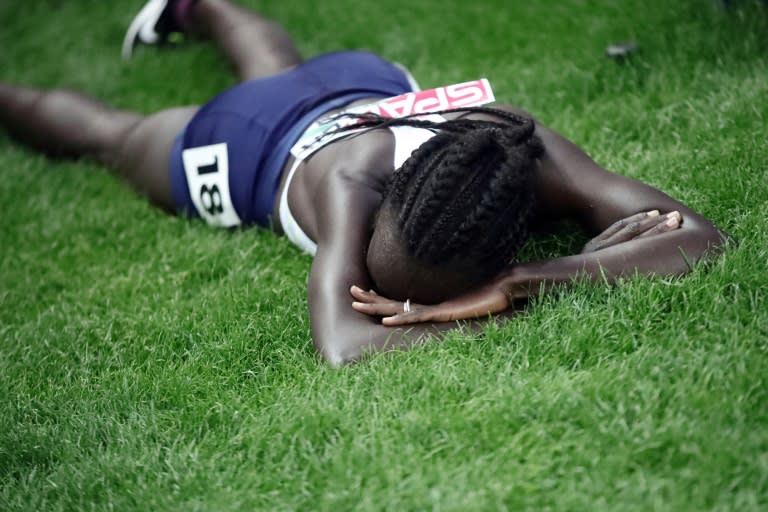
[(345, 206), (572, 185)]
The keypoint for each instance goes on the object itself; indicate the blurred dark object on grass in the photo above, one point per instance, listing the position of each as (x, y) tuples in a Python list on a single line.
[(620, 51)]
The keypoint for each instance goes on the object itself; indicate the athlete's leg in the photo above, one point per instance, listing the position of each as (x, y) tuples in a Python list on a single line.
[(66, 123), (256, 47)]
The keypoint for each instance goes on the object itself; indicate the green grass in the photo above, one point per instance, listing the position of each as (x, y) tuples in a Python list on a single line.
[(151, 363)]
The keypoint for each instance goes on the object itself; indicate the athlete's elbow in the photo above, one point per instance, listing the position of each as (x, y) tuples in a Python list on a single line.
[(713, 238), (335, 358), (337, 352), (706, 240)]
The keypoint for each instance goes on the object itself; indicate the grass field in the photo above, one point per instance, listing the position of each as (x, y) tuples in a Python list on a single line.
[(151, 363)]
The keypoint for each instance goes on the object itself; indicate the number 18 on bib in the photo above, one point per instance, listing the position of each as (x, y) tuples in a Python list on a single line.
[(207, 170)]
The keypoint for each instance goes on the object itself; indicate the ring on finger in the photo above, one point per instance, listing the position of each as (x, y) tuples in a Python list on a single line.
[(407, 306)]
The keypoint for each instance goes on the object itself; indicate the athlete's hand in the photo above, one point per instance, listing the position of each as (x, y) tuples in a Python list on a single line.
[(476, 304), (640, 225)]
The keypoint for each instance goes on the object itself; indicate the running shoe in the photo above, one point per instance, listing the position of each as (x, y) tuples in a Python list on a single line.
[(152, 25)]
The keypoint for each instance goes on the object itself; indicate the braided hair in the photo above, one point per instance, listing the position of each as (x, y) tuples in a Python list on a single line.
[(464, 198)]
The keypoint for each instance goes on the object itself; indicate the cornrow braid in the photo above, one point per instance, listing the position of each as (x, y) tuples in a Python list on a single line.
[(464, 198)]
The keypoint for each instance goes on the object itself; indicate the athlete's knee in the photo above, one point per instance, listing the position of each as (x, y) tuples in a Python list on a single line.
[(112, 130), (84, 122), (55, 102), (129, 142)]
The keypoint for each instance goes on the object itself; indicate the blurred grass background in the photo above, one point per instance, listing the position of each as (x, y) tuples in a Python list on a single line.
[(152, 363)]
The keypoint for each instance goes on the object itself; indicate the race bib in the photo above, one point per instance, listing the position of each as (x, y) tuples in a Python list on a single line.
[(467, 94), (207, 170)]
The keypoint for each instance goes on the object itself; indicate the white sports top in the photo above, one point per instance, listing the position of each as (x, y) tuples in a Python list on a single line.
[(407, 140)]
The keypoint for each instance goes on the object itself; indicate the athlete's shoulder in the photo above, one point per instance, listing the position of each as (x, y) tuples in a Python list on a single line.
[(364, 158)]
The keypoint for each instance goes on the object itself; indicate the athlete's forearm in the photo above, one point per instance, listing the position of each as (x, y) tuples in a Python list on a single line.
[(342, 335), (349, 341), (671, 253)]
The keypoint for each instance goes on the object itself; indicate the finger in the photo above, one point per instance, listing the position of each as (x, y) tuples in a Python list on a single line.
[(401, 319), (377, 309), (604, 239), (671, 219), (367, 296), (441, 313), (623, 223), (671, 223), (433, 314), (632, 230), (413, 317), (356, 291)]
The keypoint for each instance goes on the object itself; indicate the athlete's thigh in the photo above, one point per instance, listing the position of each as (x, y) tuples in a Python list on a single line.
[(144, 155)]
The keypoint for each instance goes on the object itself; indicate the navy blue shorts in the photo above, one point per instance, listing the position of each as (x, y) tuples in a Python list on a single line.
[(252, 126)]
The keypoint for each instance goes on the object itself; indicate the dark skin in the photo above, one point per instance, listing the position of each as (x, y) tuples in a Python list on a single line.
[(336, 194), (569, 184)]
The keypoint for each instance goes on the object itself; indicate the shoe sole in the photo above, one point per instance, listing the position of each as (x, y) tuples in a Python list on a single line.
[(142, 28)]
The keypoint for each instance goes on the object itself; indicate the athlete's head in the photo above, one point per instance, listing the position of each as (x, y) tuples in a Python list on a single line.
[(458, 209)]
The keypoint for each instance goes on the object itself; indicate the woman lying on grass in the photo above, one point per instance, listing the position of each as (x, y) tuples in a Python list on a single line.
[(428, 210)]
